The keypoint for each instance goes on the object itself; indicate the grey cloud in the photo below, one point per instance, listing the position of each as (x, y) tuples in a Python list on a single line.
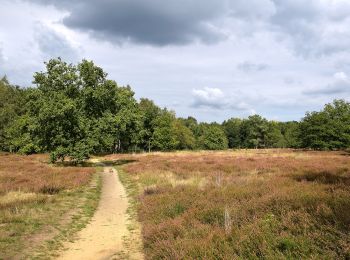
[(312, 26), (339, 85), (253, 9), (289, 11), (250, 67), (155, 22), (53, 45)]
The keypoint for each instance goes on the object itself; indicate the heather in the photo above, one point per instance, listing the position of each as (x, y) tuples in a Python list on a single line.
[(269, 204), (42, 204), (34, 174)]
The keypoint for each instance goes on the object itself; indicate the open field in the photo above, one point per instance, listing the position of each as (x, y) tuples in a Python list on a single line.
[(41, 205), (243, 204)]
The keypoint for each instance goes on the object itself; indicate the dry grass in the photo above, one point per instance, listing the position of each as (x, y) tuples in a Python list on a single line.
[(15, 199), (34, 197), (34, 174), (268, 204)]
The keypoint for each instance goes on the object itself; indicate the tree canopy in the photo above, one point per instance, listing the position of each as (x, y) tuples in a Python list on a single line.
[(75, 111), (327, 129)]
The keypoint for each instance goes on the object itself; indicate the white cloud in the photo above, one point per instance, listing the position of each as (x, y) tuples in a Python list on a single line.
[(215, 98), (209, 97), (341, 76)]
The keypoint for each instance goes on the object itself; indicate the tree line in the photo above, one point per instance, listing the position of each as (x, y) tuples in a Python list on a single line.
[(75, 111)]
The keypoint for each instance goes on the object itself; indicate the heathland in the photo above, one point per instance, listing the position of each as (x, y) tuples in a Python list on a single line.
[(261, 203), (196, 203), (244, 204), (42, 205)]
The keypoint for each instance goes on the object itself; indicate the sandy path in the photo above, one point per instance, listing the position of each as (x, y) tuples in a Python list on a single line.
[(102, 237)]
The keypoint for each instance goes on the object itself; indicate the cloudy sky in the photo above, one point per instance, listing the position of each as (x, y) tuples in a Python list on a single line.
[(212, 59)]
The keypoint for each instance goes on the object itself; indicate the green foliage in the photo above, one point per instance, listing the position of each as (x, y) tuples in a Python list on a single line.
[(274, 136), (185, 137), (149, 112), (164, 136), (232, 129), (128, 119), (20, 136), (327, 129), (80, 152), (192, 124), (58, 154), (257, 132), (11, 106), (75, 111), (254, 132), (212, 138), (291, 133)]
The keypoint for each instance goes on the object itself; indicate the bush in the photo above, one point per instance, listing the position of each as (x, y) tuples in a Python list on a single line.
[(29, 149), (79, 153)]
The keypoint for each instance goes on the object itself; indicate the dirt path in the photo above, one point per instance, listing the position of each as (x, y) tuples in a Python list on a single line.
[(103, 236)]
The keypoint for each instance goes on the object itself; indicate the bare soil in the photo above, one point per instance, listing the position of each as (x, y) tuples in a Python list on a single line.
[(102, 238)]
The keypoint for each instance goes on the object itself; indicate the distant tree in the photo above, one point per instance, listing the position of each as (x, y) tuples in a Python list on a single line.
[(164, 136), (232, 129), (192, 124), (184, 136), (274, 136), (129, 119), (149, 113), (327, 129), (254, 132), (59, 123), (12, 105), (290, 131), (76, 111), (212, 137)]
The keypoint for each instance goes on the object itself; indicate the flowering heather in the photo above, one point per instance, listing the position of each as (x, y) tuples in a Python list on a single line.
[(34, 174), (243, 204)]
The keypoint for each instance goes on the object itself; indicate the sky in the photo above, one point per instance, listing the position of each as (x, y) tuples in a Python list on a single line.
[(211, 59)]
